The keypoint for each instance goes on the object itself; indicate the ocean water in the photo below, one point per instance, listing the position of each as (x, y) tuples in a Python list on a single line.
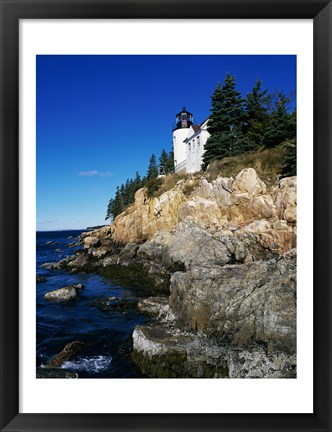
[(105, 331)]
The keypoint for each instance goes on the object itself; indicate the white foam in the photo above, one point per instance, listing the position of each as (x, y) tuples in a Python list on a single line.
[(95, 364)]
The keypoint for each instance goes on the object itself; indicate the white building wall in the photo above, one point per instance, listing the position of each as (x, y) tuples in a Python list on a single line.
[(179, 147), (195, 149)]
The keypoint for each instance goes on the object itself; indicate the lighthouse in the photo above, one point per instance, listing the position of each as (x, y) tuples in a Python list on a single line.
[(184, 119)]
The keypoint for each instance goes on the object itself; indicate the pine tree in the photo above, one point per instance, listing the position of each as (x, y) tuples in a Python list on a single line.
[(125, 192), (115, 205), (217, 147), (227, 109), (289, 162), (124, 196), (225, 123), (240, 143), (281, 125), (256, 114), (166, 160), (137, 182), (120, 199), (109, 212), (152, 169), (224, 144), (170, 162), (215, 124), (163, 160)]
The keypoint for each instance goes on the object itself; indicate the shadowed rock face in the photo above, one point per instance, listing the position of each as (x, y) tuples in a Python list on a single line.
[(254, 302), (226, 252), (165, 352)]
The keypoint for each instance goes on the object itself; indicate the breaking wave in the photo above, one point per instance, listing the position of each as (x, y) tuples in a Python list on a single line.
[(94, 364)]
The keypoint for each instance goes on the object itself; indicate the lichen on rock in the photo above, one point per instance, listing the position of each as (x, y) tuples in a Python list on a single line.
[(223, 252)]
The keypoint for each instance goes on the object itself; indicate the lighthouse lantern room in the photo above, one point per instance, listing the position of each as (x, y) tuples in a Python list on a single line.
[(184, 119)]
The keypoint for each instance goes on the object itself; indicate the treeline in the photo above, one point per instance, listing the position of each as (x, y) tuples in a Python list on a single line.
[(237, 125), (125, 194)]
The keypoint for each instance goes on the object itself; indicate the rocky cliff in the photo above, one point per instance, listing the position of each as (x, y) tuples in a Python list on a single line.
[(223, 254)]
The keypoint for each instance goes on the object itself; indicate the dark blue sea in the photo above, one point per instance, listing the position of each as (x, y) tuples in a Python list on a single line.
[(106, 332)]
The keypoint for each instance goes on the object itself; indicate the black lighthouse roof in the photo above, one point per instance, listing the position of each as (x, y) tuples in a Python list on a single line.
[(184, 111)]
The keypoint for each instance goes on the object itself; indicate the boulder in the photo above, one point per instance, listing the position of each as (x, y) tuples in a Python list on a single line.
[(40, 279), (52, 265), (70, 352), (156, 307), (191, 245), (281, 225), (285, 199), (201, 210), (91, 241), (248, 181), (64, 294), (80, 261), (240, 303), (167, 352), (110, 304), (58, 265)]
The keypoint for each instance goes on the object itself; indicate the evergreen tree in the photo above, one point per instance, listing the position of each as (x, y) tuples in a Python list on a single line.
[(227, 109), (240, 143), (289, 162), (115, 205), (225, 122), (163, 160), (120, 199), (281, 124), (109, 212), (217, 147), (124, 196), (152, 169), (137, 182), (125, 193), (166, 160), (170, 162), (215, 124), (256, 113), (224, 144)]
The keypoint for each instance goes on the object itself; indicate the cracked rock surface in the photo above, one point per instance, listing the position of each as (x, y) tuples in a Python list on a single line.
[(224, 258)]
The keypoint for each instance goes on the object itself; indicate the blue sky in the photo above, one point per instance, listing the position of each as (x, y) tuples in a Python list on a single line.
[(99, 119)]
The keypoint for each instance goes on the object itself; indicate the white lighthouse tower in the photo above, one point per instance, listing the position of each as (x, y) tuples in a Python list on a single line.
[(184, 120)]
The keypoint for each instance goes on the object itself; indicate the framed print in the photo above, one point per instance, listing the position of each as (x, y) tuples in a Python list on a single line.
[(165, 242)]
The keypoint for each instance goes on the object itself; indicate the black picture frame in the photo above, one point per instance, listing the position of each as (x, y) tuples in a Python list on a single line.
[(14, 10)]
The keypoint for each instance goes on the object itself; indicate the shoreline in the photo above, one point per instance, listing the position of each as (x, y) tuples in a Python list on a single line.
[(230, 286)]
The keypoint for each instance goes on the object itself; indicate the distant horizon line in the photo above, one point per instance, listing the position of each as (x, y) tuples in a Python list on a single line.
[(62, 229), (71, 229)]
